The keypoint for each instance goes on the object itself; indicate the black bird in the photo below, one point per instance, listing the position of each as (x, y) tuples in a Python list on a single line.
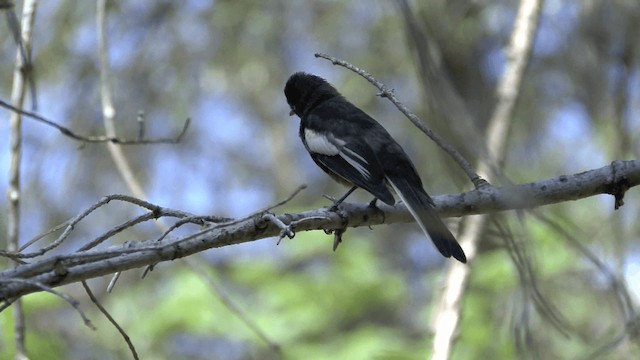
[(354, 149)]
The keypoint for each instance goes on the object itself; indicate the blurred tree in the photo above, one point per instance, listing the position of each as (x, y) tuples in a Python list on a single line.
[(223, 64)]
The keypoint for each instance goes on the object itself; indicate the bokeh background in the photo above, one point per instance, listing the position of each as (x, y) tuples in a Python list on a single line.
[(224, 64)]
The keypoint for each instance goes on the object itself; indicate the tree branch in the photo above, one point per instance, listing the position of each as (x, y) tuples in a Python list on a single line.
[(64, 269)]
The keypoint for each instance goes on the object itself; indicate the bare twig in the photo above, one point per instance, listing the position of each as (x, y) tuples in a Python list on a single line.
[(73, 302), (113, 281), (155, 212), (96, 138), (280, 203), (288, 229), (389, 94), (43, 235), (116, 230), (65, 233), (106, 313), (285, 230), (259, 213), (198, 220), (231, 221)]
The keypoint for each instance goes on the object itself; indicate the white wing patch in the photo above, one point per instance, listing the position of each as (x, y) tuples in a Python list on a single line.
[(319, 143)]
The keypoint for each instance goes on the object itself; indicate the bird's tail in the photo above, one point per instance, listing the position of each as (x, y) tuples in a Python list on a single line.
[(422, 209)]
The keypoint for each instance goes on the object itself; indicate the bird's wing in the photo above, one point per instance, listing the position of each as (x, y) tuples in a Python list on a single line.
[(354, 161)]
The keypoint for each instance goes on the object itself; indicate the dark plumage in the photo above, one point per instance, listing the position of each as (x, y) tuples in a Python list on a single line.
[(355, 149)]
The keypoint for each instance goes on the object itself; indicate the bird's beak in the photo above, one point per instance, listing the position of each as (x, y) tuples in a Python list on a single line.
[(291, 113)]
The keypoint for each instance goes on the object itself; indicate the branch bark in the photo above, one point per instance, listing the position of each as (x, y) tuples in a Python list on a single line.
[(58, 270)]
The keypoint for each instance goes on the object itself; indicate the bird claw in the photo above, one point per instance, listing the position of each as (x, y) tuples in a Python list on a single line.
[(375, 207)]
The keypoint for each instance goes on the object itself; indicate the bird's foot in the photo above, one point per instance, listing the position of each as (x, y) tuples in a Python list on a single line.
[(373, 204), (337, 203)]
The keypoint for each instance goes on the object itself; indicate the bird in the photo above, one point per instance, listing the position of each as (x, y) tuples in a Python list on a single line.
[(354, 149)]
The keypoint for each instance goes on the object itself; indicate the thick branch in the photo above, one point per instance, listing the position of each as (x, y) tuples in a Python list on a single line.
[(64, 269)]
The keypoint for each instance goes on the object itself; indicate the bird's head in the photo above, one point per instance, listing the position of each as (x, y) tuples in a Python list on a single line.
[(304, 91)]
